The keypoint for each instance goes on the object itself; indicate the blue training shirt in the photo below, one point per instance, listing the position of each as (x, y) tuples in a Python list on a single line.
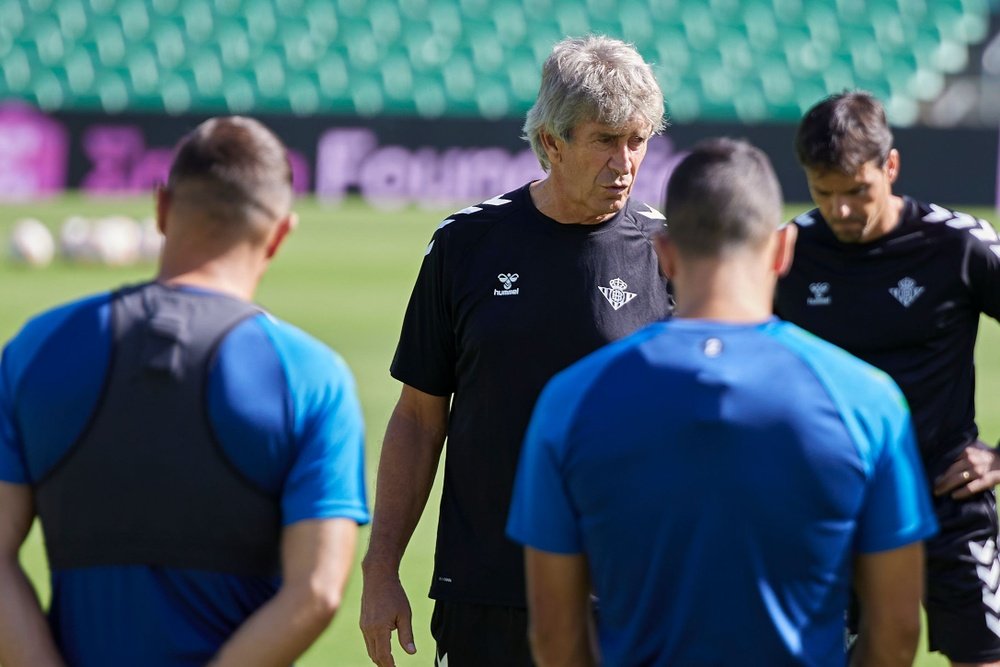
[(283, 407), (720, 478)]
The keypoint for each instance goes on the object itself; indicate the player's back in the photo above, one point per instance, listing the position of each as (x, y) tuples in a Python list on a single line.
[(148, 564), (723, 479)]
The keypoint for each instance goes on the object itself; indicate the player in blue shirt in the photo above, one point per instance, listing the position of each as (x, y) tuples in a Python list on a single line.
[(718, 480), (197, 465)]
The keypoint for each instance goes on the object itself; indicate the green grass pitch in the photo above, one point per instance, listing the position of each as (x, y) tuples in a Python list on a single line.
[(344, 276)]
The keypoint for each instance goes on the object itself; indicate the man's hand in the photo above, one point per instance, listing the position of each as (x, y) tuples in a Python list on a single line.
[(975, 471), (384, 608)]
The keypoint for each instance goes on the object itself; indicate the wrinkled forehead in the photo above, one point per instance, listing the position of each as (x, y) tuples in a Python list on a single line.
[(636, 125)]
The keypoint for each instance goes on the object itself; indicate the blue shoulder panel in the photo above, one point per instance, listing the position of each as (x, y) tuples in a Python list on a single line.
[(291, 421), (50, 381)]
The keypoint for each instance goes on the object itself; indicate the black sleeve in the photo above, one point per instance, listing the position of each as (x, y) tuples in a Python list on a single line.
[(983, 268), (425, 356)]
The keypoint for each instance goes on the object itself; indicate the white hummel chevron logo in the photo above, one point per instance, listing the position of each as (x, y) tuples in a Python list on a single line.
[(961, 221), (985, 233), (652, 213), (616, 294), (907, 291), (469, 209), (938, 214), (804, 220), (430, 246), (991, 576), (984, 554), (996, 250), (440, 661), (496, 201)]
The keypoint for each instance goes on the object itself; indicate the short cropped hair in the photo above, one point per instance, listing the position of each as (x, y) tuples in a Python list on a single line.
[(235, 172), (723, 196), (593, 78), (843, 132)]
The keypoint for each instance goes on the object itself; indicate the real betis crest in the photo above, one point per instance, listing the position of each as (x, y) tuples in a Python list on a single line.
[(616, 294)]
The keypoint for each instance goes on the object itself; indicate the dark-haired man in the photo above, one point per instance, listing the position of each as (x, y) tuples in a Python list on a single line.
[(196, 463), (901, 284), (809, 452)]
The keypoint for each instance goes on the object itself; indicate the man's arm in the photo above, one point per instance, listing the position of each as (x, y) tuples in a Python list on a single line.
[(25, 638), (409, 460), (316, 557), (561, 624), (889, 585)]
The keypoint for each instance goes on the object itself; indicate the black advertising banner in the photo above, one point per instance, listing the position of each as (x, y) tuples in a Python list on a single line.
[(430, 163)]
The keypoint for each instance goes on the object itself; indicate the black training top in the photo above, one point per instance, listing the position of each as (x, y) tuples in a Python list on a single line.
[(908, 303), (505, 298)]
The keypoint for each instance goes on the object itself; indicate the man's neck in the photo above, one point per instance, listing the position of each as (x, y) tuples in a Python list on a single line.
[(730, 292)]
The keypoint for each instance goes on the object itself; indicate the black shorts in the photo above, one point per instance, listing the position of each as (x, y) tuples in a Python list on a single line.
[(962, 595), (475, 635)]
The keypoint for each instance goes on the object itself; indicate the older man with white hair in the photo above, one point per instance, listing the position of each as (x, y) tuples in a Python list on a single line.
[(511, 291)]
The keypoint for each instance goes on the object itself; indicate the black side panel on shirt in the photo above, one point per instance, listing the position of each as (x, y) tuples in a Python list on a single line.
[(506, 298), (908, 303), (147, 483)]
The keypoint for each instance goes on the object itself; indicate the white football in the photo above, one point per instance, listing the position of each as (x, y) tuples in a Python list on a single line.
[(74, 239), (115, 240), (31, 243)]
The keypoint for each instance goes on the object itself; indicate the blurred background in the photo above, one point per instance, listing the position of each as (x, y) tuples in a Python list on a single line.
[(398, 111)]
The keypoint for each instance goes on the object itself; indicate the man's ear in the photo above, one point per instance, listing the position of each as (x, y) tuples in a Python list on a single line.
[(666, 252), (892, 165), (551, 146), (281, 232), (784, 251), (162, 208)]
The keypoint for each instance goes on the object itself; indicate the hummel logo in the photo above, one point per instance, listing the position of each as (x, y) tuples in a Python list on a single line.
[(983, 554), (906, 292), (616, 294), (508, 280), (820, 294)]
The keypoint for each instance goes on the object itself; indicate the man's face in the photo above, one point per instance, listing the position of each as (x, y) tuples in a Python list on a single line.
[(596, 167), (856, 206)]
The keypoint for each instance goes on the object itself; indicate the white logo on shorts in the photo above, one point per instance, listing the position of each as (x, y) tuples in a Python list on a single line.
[(988, 569)]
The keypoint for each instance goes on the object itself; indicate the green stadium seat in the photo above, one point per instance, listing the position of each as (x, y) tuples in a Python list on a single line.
[(415, 10), (524, 79), (536, 11), (636, 23), (364, 52), (206, 67), (112, 91), (302, 50), (332, 75), (664, 11), (460, 78), (227, 8), (488, 54), (699, 27), (429, 98), (175, 93), (303, 94), (397, 77), (269, 74), (671, 51), (571, 20), (322, 20), (234, 44), (261, 21), (72, 15), (750, 104), (135, 20), (144, 75), (492, 97), (385, 21), (165, 8), (788, 12), (445, 19), (761, 27), (509, 23), (822, 23), (109, 40), (239, 93), (79, 71), (48, 41), (352, 8), (198, 20), (16, 70), (366, 94), (47, 90), (168, 39), (475, 9)]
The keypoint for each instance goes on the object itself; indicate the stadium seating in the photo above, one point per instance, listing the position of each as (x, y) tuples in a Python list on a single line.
[(751, 60)]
